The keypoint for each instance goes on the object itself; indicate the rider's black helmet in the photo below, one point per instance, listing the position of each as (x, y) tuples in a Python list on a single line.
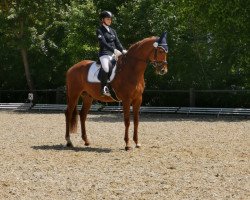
[(105, 14)]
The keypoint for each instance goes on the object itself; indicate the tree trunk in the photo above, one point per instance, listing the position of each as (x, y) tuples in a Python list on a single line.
[(25, 58), (27, 69)]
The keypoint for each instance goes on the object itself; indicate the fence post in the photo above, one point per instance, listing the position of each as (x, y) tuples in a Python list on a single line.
[(191, 97), (60, 94), (57, 95), (31, 97)]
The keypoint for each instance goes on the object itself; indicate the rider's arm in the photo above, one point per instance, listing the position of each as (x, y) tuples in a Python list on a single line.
[(118, 43)]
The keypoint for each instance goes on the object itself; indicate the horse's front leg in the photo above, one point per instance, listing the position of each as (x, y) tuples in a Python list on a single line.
[(126, 114), (136, 109)]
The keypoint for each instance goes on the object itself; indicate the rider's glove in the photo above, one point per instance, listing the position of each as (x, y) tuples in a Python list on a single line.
[(124, 51), (117, 53)]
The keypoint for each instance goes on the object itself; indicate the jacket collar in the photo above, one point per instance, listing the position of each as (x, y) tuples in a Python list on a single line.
[(105, 30), (107, 27)]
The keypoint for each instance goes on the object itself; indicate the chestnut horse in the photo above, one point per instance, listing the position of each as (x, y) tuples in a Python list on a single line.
[(128, 85)]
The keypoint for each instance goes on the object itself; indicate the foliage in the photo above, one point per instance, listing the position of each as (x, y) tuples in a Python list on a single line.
[(208, 39)]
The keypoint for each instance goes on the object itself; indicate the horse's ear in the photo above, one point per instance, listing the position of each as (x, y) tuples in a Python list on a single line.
[(163, 41), (163, 38)]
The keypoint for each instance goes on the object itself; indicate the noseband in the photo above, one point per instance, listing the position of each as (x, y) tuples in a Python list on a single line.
[(155, 62)]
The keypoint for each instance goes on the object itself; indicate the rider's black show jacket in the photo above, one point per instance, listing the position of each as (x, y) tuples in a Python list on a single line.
[(108, 41)]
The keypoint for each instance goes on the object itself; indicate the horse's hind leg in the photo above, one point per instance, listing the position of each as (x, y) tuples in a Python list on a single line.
[(136, 108), (86, 104), (71, 119)]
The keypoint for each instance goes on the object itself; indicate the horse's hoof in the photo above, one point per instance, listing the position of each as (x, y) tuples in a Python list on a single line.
[(87, 144), (69, 144), (138, 146), (128, 148)]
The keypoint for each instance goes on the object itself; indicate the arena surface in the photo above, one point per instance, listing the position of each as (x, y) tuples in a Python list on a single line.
[(180, 158)]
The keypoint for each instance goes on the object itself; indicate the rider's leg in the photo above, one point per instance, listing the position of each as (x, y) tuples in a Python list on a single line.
[(105, 65), (105, 62)]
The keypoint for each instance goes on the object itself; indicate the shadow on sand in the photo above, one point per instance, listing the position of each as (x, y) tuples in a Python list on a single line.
[(61, 147), (118, 117)]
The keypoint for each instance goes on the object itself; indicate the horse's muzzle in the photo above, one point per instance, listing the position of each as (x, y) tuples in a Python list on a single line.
[(163, 71), (161, 67)]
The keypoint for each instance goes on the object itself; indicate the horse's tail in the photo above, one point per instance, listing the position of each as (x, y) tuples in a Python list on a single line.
[(73, 121), (71, 113)]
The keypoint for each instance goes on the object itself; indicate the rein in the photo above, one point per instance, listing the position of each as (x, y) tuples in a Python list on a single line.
[(139, 59), (155, 62), (124, 62)]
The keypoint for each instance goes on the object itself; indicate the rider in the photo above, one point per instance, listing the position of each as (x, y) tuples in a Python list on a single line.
[(109, 46)]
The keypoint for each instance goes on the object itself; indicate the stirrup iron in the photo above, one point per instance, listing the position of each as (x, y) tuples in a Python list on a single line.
[(105, 91)]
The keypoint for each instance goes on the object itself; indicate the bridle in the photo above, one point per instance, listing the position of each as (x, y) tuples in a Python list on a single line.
[(155, 62)]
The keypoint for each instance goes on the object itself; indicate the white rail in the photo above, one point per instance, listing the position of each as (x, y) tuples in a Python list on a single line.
[(143, 109)]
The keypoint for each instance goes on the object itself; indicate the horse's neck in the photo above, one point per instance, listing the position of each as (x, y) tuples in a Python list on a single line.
[(134, 64), (138, 55), (143, 49)]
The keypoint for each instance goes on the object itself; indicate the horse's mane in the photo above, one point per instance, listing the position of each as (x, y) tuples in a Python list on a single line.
[(137, 44)]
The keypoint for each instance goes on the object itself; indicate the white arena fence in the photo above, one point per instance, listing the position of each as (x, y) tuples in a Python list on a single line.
[(29, 107), (232, 98)]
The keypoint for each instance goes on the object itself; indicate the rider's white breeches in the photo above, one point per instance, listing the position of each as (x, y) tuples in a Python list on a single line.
[(105, 62)]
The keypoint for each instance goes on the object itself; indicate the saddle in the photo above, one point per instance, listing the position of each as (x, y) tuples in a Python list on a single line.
[(112, 65), (96, 72)]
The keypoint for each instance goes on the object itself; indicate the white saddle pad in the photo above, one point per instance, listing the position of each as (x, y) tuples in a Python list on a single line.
[(94, 71)]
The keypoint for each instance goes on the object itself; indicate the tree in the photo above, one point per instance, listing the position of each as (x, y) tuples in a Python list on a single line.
[(208, 40)]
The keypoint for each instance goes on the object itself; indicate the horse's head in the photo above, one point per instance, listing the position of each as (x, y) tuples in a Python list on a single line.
[(158, 57)]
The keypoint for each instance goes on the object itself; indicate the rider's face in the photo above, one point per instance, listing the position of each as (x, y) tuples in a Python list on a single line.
[(107, 21)]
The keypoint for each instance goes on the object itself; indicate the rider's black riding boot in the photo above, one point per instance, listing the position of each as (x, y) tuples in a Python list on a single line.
[(104, 88)]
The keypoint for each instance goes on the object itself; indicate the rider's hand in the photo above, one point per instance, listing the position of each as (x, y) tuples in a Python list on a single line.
[(124, 51), (117, 53)]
